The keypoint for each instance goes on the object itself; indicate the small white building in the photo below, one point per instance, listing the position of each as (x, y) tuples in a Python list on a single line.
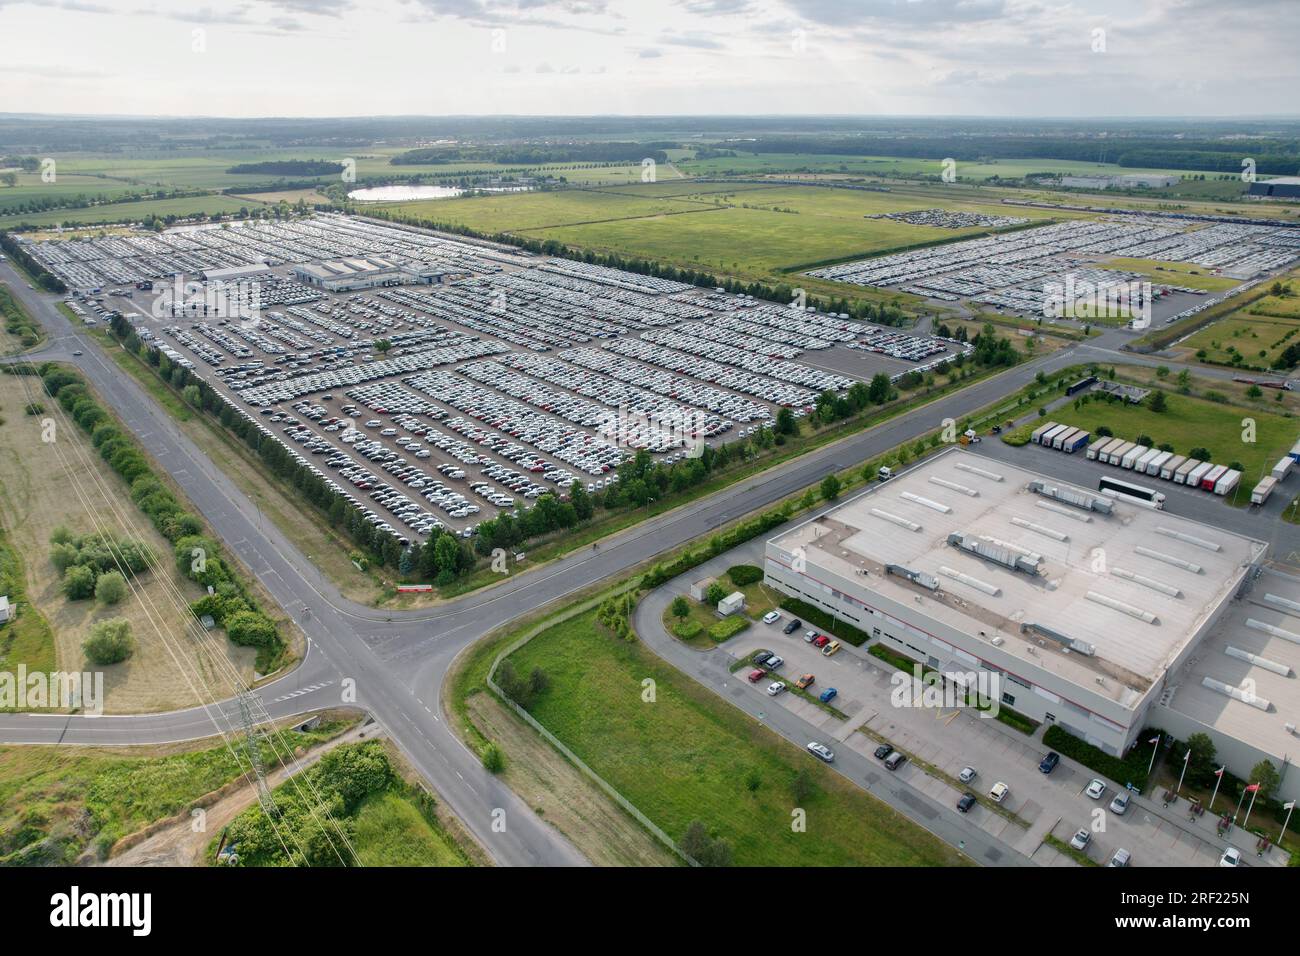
[(731, 604), (4, 608)]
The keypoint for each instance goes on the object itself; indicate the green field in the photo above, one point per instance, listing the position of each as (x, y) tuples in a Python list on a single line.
[(1258, 339), (691, 756), (527, 212), (391, 831), (1191, 422)]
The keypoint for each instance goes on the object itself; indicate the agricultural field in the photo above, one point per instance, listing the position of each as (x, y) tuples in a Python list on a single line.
[(1193, 422), (691, 756), (47, 485)]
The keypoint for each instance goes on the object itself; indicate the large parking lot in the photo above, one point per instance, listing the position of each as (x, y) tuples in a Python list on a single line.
[(487, 377)]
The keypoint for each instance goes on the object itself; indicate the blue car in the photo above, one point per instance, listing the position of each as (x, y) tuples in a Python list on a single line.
[(828, 695), (1049, 762)]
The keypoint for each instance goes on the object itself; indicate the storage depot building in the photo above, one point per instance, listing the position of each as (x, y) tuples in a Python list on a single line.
[(1077, 605)]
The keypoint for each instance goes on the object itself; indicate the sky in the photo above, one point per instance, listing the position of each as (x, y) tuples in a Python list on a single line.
[(244, 58)]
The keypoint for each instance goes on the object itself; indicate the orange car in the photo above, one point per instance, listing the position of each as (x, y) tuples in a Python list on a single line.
[(805, 681)]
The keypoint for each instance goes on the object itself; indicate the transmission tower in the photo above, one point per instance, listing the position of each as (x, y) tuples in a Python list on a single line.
[(252, 738)]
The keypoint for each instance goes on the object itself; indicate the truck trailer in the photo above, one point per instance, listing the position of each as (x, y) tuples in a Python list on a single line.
[(1227, 483), (1262, 490), (1172, 465), (1211, 477), (1183, 474)]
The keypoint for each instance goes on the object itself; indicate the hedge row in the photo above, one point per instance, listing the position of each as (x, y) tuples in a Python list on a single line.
[(662, 573), (1132, 768), (203, 561), (824, 622)]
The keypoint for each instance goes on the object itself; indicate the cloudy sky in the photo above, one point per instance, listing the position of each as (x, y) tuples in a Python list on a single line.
[(437, 57)]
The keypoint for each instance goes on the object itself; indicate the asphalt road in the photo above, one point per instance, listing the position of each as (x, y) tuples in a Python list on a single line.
[(395, 661)]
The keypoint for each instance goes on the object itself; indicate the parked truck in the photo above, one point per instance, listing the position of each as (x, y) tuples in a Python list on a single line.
[(1211, 478), (1172, 465), (1283, 468), (1262, 490), (1227, 483), (1183, 474)]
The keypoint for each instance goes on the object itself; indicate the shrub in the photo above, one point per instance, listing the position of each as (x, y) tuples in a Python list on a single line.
[(110, 588), (687, 630), (727, 628), (78, 582), (715, 593), (744, 574), (680, 607), (110, 642), (1131, 768), (824, 622), (494, 761), (251, 629)]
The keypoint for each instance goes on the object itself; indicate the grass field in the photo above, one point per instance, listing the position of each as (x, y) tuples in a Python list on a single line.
[(1191, 422), (391, 831), (525, 212), (44, 485), (1174, 273), (691, 756), (1258, 339), (56, 802)]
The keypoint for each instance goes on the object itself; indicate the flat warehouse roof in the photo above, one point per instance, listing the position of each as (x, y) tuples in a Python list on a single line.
[(1135, 584), (1256, 646)]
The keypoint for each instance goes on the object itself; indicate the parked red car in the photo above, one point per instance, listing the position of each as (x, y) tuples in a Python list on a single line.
[(756, 676)]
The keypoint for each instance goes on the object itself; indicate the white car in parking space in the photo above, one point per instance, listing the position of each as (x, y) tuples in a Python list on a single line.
[(1082, 837), (821, 751), (775, 688), (771, 617), (1231, 857), (1119, 805), (967, 774), (1096, 788)]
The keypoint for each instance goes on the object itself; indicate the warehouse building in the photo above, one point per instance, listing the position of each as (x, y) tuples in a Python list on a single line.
[(1081, 609), (343, 275), (1283, 187)]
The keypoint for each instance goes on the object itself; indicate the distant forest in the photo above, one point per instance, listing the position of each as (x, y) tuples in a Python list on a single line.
[(290, 167), (598, 152)]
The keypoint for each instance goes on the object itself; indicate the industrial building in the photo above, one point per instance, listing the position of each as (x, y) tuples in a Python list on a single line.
[(342, 275), (1282, 187), (1129, 181), (1084, 610)]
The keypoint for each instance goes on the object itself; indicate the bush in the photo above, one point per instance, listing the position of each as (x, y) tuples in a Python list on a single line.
[(494, 761), (251, 629), (110, 642), (110, 588), (715, 593), (688, 630), (680, 607), (78, 582), (744, 574), (728, 627), (1129, 769)]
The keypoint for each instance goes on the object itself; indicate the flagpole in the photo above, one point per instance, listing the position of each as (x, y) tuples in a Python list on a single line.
[(1289, 807), (1218, 779), (1253, 794), (1240, 800), (1187, 759), (1154, 749)]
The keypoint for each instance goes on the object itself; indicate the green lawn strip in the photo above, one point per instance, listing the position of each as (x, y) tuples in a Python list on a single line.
[(690, 755), (27, 639), (55, 802), (29, 333), (1076, 855)]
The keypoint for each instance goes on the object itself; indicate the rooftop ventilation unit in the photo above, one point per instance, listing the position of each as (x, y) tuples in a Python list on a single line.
[(1146, 582), (925, 502), (916, 577), (1040, 529), (1272, 629), (953, 486), (1070, 643), (1189, 538), (991, 475), (1282, 602), (990, 589), (1168, 559), (1236, 693), (1264, 662), (1105, 600), (997, 554), (896, 519), (1071, 496)]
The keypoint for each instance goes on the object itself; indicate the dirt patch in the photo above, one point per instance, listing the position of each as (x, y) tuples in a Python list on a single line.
[(47, 484), (558, 792)]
